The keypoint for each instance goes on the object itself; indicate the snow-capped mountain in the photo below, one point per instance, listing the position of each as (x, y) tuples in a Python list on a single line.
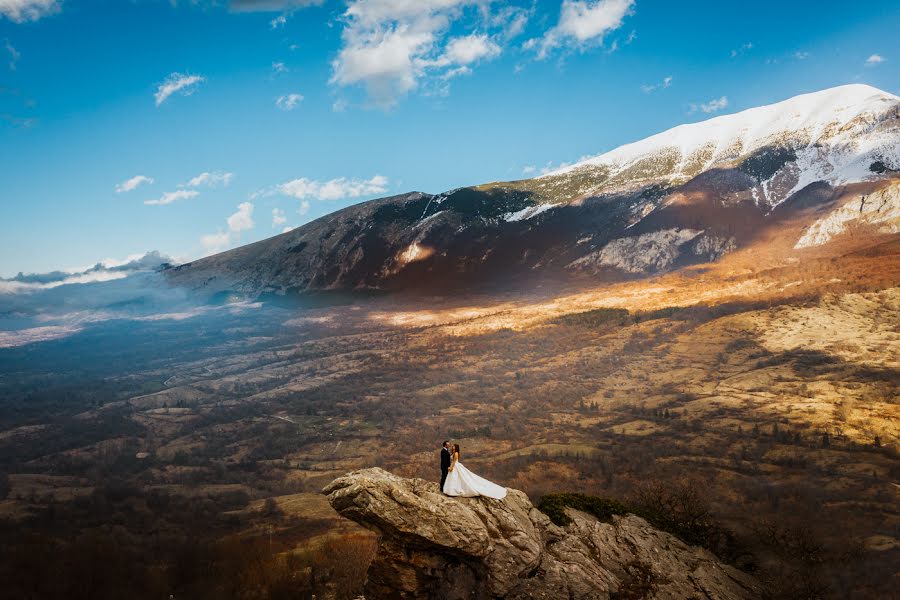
[(838, 135), (689, 194)]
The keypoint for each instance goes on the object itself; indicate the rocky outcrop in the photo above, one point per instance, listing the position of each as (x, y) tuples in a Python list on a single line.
[(646, 253), (434, 546), (880, 209)]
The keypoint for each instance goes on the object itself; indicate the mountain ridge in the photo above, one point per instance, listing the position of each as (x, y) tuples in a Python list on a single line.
[(601, 217)]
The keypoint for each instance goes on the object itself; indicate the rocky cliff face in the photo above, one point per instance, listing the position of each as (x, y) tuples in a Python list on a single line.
[(880, 209), (434, 546)]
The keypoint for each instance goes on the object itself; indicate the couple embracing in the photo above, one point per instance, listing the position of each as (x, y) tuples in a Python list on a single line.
[(457, 480)]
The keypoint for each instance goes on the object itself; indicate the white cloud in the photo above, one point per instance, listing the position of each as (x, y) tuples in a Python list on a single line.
[(209, 179), (278, 217), (800, 55), (389, 46), (743, 48), (650, 88), (242, 219), (288, 228), (177, 83), (288, 102), (582, 23), (133, 183), (170, 197), (279, 68), (875, 59), (529, 170), (215, 242), (304, 207), (14, 55), (334, 189), (20, 11), (104, 270), (278, 21), (471, 48), (712, 106)]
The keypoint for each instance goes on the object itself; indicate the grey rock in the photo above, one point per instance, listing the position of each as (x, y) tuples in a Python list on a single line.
[(646, 253), (434, 546)]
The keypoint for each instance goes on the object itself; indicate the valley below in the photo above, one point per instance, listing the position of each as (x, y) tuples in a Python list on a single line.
[(190, 454)]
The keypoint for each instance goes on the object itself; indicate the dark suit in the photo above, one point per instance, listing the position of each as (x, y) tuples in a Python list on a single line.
[(445, 464)]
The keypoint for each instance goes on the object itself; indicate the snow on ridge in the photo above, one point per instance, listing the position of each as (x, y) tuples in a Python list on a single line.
[(526, 213), (816, 114)]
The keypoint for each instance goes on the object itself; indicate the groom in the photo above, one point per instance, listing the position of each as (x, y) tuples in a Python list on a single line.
[(445, 462)]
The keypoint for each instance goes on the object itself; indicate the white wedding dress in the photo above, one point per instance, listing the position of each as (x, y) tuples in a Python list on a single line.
[(463, 482)]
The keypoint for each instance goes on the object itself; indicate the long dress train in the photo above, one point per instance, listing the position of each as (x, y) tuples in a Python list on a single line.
[(463, 482)]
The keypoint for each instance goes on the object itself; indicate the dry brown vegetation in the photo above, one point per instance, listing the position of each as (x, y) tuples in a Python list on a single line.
[(768, 383)]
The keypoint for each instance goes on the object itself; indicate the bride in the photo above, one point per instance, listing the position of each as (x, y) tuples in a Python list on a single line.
[(463, 482)]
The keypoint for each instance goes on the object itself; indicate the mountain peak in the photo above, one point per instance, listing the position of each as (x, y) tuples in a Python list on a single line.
[(832, 117)]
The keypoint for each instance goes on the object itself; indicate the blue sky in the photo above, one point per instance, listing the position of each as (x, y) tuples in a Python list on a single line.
[(238, 109)]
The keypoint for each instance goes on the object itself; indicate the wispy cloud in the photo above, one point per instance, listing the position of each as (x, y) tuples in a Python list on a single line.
[(551, 166), (170, 197), (742, 49), (278, 218), (271, 5), (20, 11), (209, 179), (801, 55), (215, 242), (650, 88), (278, 21), (105, 270), (14, 54), (288, 101), (177, 83), (712, 106), (582, 24), (875, 59), (133, 183), (278, 68), (242, 220), (22, 122), (334, 189)]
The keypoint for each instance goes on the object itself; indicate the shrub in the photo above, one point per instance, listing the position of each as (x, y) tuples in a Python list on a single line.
[(677, 509), (600, 317), (554, 506)]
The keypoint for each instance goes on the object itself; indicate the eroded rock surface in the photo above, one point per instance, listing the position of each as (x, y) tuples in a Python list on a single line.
[(880, 209), (434, 546)]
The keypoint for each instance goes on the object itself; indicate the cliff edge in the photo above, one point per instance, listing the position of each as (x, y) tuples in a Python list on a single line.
[(434, 546)]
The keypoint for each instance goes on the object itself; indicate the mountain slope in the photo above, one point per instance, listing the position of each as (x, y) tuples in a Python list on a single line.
[(690, 194)]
